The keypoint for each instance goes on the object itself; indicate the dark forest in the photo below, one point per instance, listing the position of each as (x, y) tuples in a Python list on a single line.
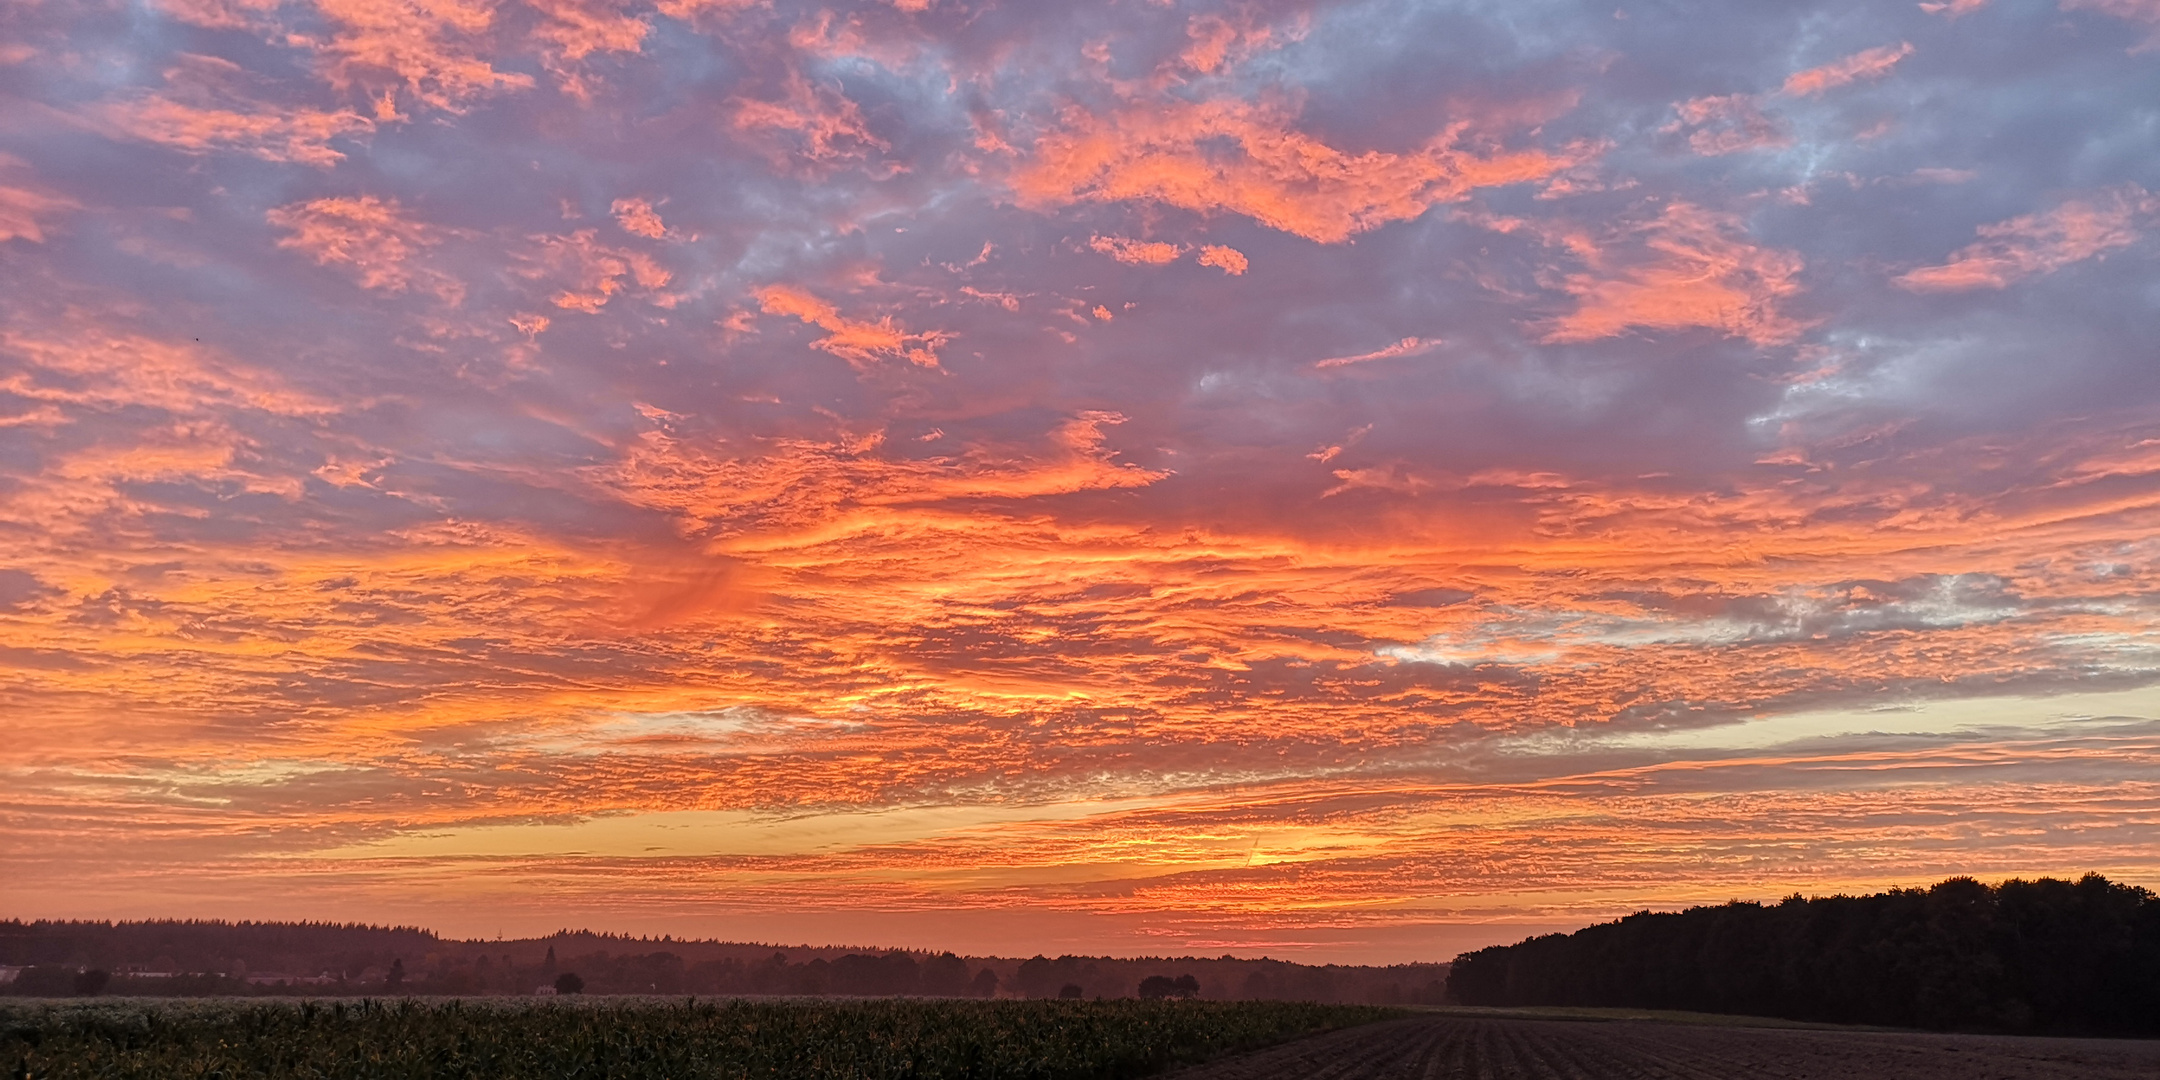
[(2045, 956)]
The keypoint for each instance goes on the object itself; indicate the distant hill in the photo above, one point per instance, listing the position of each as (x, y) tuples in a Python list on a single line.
[(2054, 956), (191, 958)]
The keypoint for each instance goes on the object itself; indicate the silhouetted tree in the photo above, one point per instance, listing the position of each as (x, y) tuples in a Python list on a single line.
[(944, 975), (893, 973), (397, 973), (1070, 991), (92, 982), (569, 983), (985, 984), (1036, 976)]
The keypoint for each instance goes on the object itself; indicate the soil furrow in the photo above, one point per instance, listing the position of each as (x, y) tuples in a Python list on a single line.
[(1505, 1048)]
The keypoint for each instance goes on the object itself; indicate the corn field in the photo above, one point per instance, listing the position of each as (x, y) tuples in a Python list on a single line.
[(641, 1038)]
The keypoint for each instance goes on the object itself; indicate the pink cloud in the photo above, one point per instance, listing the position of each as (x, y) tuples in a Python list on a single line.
[(1687, 268), (812, 121), (374, 237), (1727, 124), (433, 49), (2144, 11), (1409, 346), (691, 9), (575, 29), (1216, 40), (220, 14), (1394, 477), (2032, 244), (26, 212), (1244, 158), (298, 135), (1229, 260), (591, 273), (1952, 8), (638, 216), (1866, 64), (1137, 252), (858, 342)]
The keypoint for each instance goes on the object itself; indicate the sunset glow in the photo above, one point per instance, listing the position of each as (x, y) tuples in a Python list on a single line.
[(1344, 481)]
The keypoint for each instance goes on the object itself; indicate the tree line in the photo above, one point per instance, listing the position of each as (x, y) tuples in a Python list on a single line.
[(174, 958), (2045, 956)]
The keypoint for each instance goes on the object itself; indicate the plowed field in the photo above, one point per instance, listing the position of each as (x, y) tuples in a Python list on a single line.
[(1463, 1048)]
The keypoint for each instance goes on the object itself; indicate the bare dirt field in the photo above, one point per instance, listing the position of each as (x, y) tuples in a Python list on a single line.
[(1459, 1047)]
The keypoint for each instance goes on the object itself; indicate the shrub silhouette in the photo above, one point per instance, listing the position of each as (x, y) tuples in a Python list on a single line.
[(569, 983)]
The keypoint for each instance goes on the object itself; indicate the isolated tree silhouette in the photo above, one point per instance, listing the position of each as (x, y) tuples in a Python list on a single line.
[(569, 983)]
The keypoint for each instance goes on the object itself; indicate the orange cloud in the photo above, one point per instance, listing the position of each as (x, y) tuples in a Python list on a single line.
[(638, 216), (821, 124), (297, 135), (430, 48), (102, 367), (220, 14), (690, 9), (1244, 158), (2022, 247), (372, 236), (24, 211), (575, 29), (1409, 346), (594, 272), (1866, 64), (1227, 259), (1727, 124), (1137, 252), (1214, 40), (1689, 267), (862, 344), (1397, 477)]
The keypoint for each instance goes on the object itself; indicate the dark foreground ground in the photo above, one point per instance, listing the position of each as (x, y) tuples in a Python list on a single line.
[(621, 1038), (1460, 1047)]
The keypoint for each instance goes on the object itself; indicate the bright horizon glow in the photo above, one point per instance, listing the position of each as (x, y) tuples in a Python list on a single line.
[(1335, 480)]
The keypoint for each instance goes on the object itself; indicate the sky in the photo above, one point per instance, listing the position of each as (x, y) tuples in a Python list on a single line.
[(1333, 480)]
